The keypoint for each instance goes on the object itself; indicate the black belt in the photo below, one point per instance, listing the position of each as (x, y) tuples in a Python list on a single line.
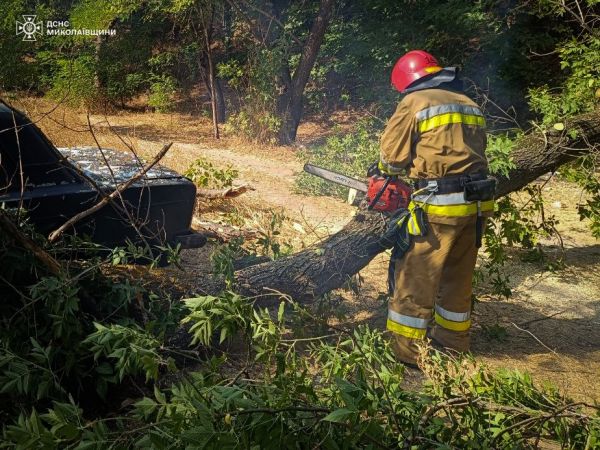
[(449, 185)]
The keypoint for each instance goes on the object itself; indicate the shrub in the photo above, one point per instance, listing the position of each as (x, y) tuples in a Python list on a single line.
[(75, 81), (203, 173), (162, 94)]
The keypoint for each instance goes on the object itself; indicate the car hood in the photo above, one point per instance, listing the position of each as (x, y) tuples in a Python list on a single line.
[(109, 167)]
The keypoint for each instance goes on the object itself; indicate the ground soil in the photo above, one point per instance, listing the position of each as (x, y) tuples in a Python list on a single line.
[(550, 326)]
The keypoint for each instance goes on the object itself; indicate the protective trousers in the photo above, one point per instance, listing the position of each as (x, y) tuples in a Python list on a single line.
[(433, 288)]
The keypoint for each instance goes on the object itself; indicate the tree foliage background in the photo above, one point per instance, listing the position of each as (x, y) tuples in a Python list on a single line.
[(524, 55)]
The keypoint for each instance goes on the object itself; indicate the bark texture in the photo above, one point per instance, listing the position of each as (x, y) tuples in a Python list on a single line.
[(538, 153), (320, 268), (290, 103), (327, 265)]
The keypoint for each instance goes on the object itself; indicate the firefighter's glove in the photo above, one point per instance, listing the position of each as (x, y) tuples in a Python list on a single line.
[(374, 170), (417, 222), (396, 233)]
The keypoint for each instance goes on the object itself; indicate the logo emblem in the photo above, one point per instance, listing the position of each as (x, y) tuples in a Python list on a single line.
[(29, 28)]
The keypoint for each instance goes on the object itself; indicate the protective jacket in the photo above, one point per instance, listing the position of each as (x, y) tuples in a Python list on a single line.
[(437, 135), (434, 133)]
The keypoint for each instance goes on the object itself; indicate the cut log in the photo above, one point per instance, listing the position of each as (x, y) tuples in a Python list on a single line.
[(230, 192), (327, 265), (320, 268)]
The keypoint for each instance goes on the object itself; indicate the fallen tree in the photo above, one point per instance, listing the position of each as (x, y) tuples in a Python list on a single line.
[(326, 265)]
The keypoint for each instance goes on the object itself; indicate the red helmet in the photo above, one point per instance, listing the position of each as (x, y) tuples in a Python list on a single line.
[(412, 66)]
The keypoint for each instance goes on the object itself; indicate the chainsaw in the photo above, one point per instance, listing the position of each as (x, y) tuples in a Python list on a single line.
[(383, 193)]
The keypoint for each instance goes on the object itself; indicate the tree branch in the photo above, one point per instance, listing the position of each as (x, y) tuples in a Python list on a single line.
[(327, 265), (16, 235)]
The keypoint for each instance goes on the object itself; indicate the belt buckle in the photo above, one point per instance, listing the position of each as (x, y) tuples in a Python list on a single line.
[(432, 186)]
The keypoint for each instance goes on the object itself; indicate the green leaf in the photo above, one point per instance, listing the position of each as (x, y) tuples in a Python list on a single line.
[(338, 416), (146, 406), (223, 335), (66, 431), (104, 369)]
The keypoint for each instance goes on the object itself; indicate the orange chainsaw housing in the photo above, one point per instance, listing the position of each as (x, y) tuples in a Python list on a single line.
[(395, 196)]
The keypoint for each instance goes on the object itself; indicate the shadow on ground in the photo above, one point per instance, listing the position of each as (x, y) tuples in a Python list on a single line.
[(511, 328)]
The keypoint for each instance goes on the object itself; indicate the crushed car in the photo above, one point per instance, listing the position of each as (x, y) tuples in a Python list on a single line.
[(54, 184)]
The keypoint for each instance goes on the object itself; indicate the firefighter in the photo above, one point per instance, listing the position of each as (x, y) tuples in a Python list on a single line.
[(437, 138)]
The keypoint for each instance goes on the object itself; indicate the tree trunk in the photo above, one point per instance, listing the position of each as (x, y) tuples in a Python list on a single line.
[(207, 29), (213, 94), (327, 265), (221, 110), (220, 106), (320, 268), (289, 107)]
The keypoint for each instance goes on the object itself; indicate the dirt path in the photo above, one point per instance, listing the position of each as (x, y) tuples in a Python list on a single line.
[(270, 171), (551, 325), (273, 183)]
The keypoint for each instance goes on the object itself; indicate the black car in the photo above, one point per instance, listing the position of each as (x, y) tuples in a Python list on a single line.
[(53, 185)]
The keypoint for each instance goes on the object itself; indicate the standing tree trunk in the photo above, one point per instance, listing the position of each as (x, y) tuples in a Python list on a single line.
[(207, 29), (221, 110), (99, 82), (221, 107), (290, 102)]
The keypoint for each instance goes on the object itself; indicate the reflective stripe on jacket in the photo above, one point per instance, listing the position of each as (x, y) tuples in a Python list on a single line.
[(434, 133)]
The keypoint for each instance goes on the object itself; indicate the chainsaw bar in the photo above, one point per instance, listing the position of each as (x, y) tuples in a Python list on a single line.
[(335, 177)]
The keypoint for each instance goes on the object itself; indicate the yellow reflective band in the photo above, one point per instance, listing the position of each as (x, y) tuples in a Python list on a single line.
[(409, 332), (448, 118), (466, 209), (450, 325), (451, 315)]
